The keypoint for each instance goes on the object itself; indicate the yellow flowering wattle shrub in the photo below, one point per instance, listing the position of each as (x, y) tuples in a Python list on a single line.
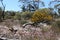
[(41, 15)]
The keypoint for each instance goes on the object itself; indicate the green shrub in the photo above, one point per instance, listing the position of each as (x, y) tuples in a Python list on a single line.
[(56, 26), (12, 13), (23, 22), (8, 16), (17, 16), (26, 15), (58, 23)]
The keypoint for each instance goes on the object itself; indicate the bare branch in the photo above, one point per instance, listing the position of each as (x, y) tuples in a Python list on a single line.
[(55, 6)]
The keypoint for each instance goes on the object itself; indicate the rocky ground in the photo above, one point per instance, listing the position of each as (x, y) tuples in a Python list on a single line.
[(12, 30)]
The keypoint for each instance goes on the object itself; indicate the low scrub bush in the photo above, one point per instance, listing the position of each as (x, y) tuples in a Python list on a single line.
[(56, 26), (17, 16), (41, 16), (26, 15), (23, 22)]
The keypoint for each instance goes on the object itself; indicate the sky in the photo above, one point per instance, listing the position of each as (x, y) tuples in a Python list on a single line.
[(11, 5), (14, 4)]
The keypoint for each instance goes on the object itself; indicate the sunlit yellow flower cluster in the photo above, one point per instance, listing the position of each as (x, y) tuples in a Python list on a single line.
[(41, 15)]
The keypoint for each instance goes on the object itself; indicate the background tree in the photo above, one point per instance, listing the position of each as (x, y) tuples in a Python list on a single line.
[(3, 11), (56, 6), (23, 8), (0, 12), (31, 5)]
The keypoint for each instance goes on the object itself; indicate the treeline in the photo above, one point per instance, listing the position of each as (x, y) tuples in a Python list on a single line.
[(40, 15)]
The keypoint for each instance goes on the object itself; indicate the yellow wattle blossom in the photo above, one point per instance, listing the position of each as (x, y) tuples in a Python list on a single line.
[(41, 15)]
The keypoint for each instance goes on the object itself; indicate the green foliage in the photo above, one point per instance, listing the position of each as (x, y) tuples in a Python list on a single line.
[(31, 6), (58, 23), (17, 16), (41, 15), (10, 14), (23, 22), (56, 26), (8, 17), (26, 15)]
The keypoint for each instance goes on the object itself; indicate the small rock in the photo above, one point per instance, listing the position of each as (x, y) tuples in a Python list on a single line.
[(3, 38)]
